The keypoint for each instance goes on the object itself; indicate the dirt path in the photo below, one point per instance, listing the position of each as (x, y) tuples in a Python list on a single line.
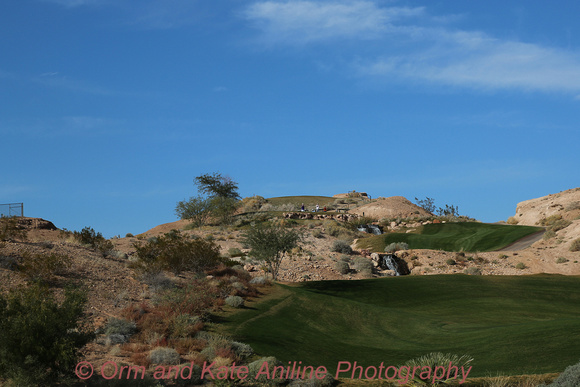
[(525, 242)]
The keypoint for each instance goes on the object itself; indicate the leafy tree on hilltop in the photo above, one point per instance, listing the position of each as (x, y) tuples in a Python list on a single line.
[(270, 243), (216, 185), (221, 200)]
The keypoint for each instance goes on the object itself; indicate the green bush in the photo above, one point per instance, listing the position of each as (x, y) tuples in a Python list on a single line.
[(175, 252), (450, 262), (520, 266), (561, 260), (341, 246), (396, 246), (341, 267), (40, 338)]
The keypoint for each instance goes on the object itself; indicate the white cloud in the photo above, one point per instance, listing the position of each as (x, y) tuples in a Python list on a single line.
[(412, 46), (478, 61), (309, 21)]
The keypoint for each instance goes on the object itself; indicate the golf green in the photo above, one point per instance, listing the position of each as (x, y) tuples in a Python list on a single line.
[(508, 324)]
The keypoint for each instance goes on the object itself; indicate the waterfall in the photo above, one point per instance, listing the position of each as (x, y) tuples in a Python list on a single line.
[(370, 228), (391, 264)]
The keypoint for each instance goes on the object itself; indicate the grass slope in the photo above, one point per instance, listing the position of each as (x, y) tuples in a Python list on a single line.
[(466, 236), (509, 324)]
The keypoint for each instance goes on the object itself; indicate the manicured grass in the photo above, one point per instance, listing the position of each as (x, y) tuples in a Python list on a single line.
[(508, 324), (466, 236)]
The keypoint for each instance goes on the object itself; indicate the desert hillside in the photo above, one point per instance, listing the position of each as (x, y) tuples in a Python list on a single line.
[(391, 207), (565, 204)]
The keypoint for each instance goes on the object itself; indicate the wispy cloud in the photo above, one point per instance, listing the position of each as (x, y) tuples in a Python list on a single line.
[(416, 46), (74, 3), (56, 80), (68, 126), (476, 60), (300, 22)]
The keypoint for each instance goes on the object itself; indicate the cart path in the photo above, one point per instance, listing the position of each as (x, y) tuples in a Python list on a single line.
[(525, 242)]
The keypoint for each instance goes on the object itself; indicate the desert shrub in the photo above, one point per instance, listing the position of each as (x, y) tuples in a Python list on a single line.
[(40, 339), (89, 237), (184, 325), (129, 235), (341, 246), (196, 299), (332, 228), (569, 378), (241, 350), (176, 252), (118, 330), (502, 256), (555, 223), (575, 245), (327, 381), (362, 264), (345, 258), (253, 203), (7, 262), (235, 301), (258, 281), (521, 266), (341, 267), (433, 360), (512, 220), (43, 267), (450, 262), (573, 206), (164, 355), (317, 234), (255, 366), (157, 281), (235, 252), (10, 230), (561, 260), (473, 271), (396, 246)]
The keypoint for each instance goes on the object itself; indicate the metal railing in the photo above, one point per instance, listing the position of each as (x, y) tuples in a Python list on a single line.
[(11, 209)]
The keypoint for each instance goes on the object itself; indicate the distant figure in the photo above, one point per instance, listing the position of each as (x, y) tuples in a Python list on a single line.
[(302, 208), (317, 208), (324, 208)]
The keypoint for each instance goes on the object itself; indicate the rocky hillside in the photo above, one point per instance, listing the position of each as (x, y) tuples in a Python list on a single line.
[(559, 213), (391, 207), (565, 204)]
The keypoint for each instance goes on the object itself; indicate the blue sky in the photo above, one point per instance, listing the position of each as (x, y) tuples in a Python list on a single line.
[(110, 108)]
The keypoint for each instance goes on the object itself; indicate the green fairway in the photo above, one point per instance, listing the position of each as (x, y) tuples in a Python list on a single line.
[(467, 236), (508, 324)]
